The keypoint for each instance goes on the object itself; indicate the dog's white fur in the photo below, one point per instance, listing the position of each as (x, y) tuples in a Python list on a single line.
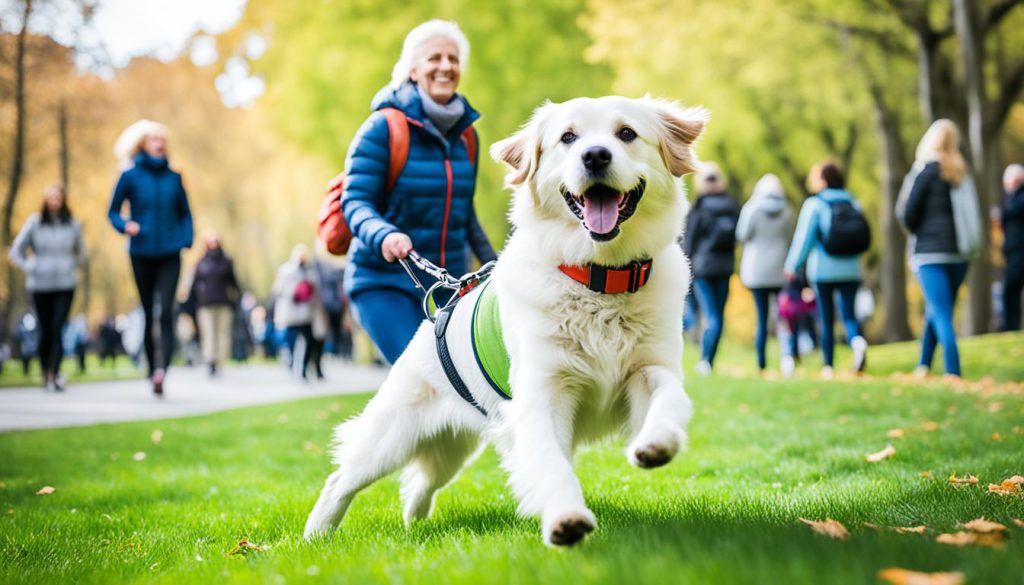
[(583, 365)]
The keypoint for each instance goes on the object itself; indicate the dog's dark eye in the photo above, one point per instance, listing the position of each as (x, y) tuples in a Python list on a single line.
[(627, 134), (569, 137)]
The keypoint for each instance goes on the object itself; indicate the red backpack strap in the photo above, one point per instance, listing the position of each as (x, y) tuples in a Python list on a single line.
[(398, 144), (469, 137)]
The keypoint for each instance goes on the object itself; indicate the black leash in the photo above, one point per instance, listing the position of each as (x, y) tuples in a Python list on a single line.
[(460, 286)]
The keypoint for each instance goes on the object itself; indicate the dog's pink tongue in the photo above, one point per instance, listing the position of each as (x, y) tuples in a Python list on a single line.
[(600, 212)]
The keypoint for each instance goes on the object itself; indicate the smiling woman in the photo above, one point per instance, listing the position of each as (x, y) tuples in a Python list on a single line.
[(428, 205)]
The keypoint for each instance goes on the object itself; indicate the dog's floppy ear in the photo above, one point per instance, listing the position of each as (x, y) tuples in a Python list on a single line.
[(680, 129), (521, 151)]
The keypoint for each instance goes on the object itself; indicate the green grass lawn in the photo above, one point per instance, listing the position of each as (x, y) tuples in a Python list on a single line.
[(762, 454), (121, 368)]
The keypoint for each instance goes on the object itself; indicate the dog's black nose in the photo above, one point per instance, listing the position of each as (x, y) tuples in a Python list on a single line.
[(597, 158)]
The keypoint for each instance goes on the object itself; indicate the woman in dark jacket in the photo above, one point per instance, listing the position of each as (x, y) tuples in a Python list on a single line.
[(216, 291), (158, 227), (430, 207), (710, 243), (927, 212), (55, 239), (1013, 245)]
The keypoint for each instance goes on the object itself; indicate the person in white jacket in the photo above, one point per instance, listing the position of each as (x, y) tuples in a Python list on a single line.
[(764, 229), (296, 289)]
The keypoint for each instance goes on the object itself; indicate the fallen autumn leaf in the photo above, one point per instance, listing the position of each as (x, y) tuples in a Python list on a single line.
[(828, 527), (965, 480), (898, 576), (886, 453), (1008, 487), (983, 526)]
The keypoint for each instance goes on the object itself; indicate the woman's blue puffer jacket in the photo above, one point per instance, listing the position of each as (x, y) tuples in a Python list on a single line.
[(431, 202), (158, 204)]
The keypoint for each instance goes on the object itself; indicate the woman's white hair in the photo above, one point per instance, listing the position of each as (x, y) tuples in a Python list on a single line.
[(417, 37), (129, 143)]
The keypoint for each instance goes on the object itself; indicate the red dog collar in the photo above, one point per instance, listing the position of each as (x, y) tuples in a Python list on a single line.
[(611, 280)]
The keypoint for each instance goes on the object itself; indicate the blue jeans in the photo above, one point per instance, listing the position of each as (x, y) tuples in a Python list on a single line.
[(825, 291), (940, 283), (390, 317), (711, 295), (691, 316), (761, 298)]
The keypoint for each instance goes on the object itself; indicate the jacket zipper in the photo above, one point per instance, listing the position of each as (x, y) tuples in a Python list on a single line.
[(447, 206)]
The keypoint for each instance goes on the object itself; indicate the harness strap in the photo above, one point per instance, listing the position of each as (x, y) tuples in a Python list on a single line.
[(611, 280), (440, 328)]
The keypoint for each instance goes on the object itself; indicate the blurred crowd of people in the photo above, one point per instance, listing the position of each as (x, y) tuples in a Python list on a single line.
[(806, 268)]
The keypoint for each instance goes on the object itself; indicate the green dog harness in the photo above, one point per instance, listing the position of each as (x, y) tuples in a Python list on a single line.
[(488, 343)]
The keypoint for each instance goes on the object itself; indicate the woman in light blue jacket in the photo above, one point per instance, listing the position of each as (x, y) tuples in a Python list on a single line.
[(828, 274)]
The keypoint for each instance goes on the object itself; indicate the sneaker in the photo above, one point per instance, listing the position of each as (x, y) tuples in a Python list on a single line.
[(860, 353), (158, 383), (788, 366), (704, 367), (921, 371), (827, 373), (59, 383)]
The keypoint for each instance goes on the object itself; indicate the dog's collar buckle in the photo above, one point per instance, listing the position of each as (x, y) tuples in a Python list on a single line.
[(611, 279)]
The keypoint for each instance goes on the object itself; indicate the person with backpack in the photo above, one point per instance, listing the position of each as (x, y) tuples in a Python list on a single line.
[(1013, 245), (55, 239), (296, 290), (764, 227), (427, 204), (939, 207), (710, 243), (831, 234), (159, 227)]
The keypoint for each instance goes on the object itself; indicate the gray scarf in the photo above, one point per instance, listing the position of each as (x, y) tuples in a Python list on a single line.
[(443, 116)]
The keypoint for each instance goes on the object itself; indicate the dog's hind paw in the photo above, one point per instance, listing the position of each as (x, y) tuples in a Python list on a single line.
[(570, 529), (651, 456), (650, 452)]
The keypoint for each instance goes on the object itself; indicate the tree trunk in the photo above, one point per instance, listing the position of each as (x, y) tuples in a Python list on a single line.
[(64, 155), (17, 159), (968, 23), (892, 273)]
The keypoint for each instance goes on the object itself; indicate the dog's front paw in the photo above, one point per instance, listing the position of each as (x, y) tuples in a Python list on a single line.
[(569, 528), (648, 454)]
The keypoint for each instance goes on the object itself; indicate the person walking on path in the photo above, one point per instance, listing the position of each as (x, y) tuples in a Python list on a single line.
[(764, 228), (710, 243), (926, 208), (158, 228), (216, 292), (828, 273), (55, 238), (1013, 245), (430, 206), (297, 293)]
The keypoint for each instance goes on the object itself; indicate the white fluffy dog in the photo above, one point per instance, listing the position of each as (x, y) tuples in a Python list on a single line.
[(596, 185)]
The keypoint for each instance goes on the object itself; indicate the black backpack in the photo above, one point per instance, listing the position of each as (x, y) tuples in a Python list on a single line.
[(850, 233), (722, 233)]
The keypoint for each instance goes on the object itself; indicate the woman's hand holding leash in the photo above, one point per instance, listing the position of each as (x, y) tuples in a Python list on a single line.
[(395, 246)]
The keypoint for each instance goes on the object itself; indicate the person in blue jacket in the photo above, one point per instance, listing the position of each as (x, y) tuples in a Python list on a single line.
[(826, 273), (158, 227), (430, 207)]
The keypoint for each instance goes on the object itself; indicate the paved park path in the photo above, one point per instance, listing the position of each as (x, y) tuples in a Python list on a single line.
[(188, 392)]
